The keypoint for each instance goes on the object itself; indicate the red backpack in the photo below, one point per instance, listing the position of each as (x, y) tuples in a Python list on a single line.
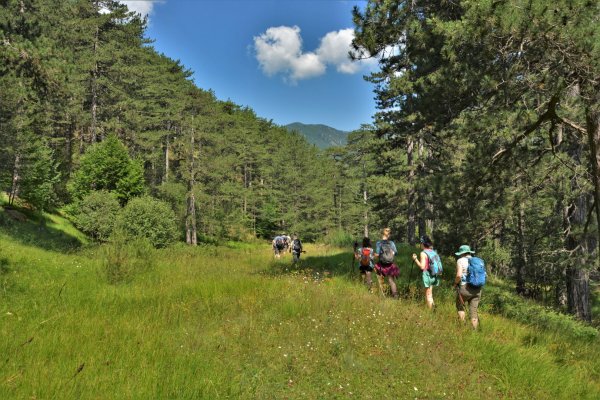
[(365, 257)]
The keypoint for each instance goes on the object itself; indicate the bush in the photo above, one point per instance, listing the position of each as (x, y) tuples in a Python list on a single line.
[(95, 214), (149, 218)]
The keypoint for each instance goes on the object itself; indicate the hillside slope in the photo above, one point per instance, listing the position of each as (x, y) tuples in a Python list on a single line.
[(185, 324), (322, 136)]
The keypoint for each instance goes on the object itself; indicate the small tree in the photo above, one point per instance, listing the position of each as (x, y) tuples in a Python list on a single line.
[(34, 173), (96, 213), (147, 217), (107, 166)]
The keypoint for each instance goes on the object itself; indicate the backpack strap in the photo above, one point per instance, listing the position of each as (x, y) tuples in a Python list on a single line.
[(427, 253)]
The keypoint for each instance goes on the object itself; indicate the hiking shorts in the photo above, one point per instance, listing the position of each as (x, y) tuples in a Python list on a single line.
[(471, 296), (429, 281), (387, 270), (364, 270)]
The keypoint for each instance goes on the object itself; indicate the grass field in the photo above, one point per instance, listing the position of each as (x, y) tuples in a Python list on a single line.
[(230, 322)]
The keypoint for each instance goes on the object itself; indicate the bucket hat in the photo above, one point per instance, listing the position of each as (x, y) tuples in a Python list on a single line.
[(464, 249)]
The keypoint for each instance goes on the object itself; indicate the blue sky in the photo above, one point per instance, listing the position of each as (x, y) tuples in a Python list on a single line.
[(285, 59)]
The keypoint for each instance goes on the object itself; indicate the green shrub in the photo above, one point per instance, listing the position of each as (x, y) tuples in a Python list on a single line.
[(95, 214), (149, 218)]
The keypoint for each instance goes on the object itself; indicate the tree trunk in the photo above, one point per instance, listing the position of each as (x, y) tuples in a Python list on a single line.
[(577, 277), (421, 192), (69, 146), (410, 210), (592, 118), (521, 261), (245, 205), (578, 293), (94, 88), (365, 199), (340, 207), (14, 190), (190, 221), (166, 175)]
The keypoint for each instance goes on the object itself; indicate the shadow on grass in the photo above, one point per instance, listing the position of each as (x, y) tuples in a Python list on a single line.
[(344, 266), (32, 229)]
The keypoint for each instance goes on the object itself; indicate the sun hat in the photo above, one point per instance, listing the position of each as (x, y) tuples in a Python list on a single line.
[(464, 249)]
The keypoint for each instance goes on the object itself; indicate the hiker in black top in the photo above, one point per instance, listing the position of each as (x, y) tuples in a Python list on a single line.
[(365, 255), (296, 248)]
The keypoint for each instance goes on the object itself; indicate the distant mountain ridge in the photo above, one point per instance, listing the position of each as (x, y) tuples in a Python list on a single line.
[(322, 136)]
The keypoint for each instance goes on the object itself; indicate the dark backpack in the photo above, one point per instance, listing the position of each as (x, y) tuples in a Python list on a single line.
[(476, 274), (435, 263), (365, 257), (296, 246), (386, 253)]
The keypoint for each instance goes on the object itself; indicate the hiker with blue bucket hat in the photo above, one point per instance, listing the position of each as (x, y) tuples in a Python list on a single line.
[(470, 278)]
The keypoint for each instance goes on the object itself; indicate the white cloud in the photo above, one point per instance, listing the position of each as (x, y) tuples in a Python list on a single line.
[(334, 50), (307, 66), (143, 7), (279, 51)]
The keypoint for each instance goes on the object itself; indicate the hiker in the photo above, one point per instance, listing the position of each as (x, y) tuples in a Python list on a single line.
[(278, 246), (286, 243), (468, 291), (365, 255), (296, 248), (425, 261), (385, 251)]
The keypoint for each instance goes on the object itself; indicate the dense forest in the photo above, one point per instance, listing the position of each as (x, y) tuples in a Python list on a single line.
[(488, 133), (92, 114)]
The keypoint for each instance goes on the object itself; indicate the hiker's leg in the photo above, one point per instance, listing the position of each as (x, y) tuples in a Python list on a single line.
[(473, 306), (429, 296), (393, 288), (369, 279), (380, 283), (460, 308)]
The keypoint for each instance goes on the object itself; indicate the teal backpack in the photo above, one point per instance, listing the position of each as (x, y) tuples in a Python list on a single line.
[(435, 263)]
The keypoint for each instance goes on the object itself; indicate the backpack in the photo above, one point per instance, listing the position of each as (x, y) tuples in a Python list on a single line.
[(386, 253), (296, 246), (365, 257), (476, 272), (435, 263)]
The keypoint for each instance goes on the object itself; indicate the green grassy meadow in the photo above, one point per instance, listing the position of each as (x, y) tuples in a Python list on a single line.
[(79, 321)]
